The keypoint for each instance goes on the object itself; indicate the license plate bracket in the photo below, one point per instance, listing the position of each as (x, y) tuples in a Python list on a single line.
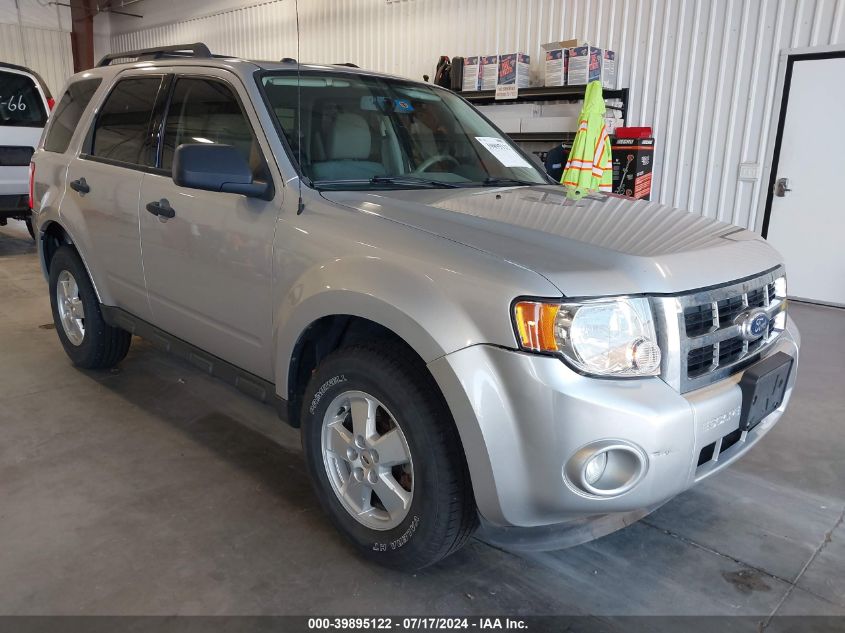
[(763, 388)]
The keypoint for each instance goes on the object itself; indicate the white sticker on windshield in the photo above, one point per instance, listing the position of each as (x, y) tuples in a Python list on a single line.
[(503, 152)]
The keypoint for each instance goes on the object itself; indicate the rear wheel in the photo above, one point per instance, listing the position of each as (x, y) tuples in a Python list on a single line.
[(385, 458), (88, 340), (30, 228)]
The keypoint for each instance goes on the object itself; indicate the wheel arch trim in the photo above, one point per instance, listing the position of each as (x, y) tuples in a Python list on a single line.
[(43, 229)]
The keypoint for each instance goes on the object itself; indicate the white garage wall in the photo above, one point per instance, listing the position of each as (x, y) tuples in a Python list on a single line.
[(36, 34), (701, 72)]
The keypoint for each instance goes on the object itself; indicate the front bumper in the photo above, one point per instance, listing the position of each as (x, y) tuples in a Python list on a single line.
[(522, 416)]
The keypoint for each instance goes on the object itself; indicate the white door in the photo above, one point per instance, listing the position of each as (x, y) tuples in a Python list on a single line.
[(807, 224)]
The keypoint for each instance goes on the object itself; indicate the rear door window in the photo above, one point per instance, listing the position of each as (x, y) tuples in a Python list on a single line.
[(20, 102), (68, 114), (122, 131)]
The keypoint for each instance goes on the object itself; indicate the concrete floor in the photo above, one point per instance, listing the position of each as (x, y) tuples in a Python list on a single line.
[(153, 489)]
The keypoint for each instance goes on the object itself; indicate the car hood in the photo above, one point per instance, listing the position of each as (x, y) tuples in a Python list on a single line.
[(599, 245)]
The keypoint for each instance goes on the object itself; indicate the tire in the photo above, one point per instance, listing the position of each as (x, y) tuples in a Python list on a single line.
[(440, 515), (100, 346), (30, 228)]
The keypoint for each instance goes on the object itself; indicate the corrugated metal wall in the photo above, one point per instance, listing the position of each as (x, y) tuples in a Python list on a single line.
[(36, 34), (701, 72), (47, 52)]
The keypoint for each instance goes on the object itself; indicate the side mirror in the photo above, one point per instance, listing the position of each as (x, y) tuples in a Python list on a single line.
[(213, 167)]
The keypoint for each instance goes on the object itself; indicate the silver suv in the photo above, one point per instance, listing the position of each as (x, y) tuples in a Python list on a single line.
[(462, 346)]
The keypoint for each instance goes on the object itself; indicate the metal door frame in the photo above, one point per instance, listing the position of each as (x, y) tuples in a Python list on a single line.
[(787, 61)]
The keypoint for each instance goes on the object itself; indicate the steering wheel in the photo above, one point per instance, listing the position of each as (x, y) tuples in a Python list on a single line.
[(433, 160)]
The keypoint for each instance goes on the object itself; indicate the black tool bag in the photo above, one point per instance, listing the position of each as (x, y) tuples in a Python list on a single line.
[(456, 74), (441, 77)]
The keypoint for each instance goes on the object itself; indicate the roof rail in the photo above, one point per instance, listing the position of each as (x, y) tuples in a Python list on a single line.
[(347, 64), (196, 50)]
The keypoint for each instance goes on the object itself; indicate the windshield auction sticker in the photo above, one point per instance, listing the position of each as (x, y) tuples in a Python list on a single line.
[(503, 152)]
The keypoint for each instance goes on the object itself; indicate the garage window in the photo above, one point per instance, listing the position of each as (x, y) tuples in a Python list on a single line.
[(122, 131), (68, 114)]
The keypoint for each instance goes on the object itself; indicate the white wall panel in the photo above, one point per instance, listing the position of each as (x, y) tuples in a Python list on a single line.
[(701, 72), (35, 34), (47, 52)]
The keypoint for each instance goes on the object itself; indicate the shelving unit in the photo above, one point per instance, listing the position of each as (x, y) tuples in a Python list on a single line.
[(547, 93)]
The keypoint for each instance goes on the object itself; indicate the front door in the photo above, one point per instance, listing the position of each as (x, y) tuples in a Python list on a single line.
[(209, 266), (807, 217)]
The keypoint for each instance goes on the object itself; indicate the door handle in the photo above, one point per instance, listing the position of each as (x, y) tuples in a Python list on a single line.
[(782, 187), (161, 208), (80, 186)]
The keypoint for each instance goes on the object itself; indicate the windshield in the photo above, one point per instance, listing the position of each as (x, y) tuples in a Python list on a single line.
[(359, 131), (20, 101)]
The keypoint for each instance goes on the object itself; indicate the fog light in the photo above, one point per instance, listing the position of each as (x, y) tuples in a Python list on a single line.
[(605, 468), (595, 468)]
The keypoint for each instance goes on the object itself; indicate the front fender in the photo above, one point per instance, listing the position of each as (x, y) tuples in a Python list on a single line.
[(409, 303)]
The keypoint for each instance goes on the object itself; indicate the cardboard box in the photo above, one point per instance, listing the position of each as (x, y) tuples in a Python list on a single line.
[(489, 69), (608, 69), (508, 124), (584, 65), (472, 75), (550, 124), (633, 160), (562, 109), (588, 63), (513, 70), (518, 110), (557, 63), (556, 58)]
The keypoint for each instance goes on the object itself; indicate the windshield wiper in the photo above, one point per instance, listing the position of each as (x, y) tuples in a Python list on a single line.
[(411, 180), (508, 182), (388, 180)]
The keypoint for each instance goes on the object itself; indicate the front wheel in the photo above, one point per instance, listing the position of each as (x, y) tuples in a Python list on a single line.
[(385, 458), (88, 340)]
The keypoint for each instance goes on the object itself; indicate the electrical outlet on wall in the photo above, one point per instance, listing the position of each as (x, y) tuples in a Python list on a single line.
[(749, 171)]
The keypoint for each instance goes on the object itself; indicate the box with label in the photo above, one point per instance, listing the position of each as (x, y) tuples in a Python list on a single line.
[(472, 75), (584, 65), (513, 69), (557, 62), (588, 63), (633, 160), (489, 69), (608, 69)]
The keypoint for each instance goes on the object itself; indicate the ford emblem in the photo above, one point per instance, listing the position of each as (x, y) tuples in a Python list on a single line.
[(753, 324)]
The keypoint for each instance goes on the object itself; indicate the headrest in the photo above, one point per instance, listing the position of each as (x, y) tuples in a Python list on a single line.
[(350, 139)]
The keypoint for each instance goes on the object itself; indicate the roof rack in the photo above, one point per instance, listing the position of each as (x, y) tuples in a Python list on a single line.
[(196, 50)]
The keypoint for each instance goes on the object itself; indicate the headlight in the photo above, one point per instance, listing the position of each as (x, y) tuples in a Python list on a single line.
[(613, 337)]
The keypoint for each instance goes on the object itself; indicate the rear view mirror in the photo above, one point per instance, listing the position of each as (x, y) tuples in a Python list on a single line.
[(214, 167)]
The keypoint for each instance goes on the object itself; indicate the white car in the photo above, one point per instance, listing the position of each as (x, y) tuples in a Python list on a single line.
[(25, 103)]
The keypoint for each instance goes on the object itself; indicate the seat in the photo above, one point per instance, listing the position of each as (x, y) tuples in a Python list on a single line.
[(348, 151)]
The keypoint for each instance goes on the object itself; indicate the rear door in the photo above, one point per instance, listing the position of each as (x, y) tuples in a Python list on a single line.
[(209, 267), (23, 113), (103, 184)]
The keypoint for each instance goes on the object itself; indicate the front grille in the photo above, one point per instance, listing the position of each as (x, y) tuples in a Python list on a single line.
[(711, 342), (708, 453), (12, 156)]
